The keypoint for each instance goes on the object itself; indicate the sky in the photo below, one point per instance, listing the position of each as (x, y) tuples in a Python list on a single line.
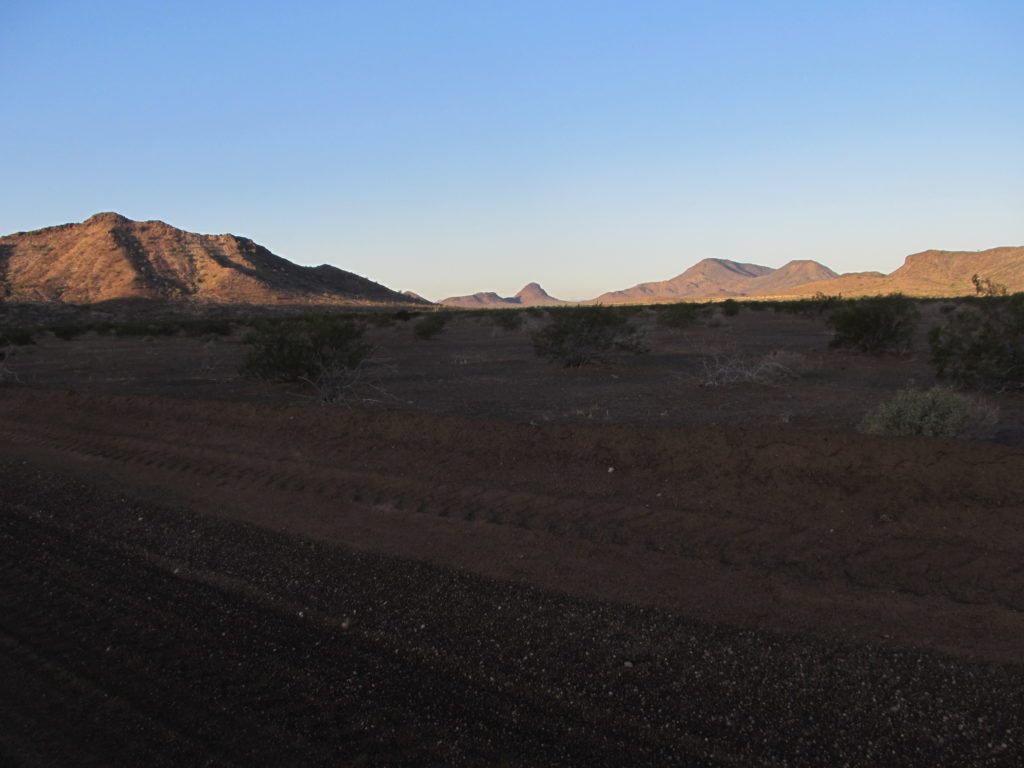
[(447, 147)]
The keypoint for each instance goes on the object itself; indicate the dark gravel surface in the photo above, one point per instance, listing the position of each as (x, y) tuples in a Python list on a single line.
[(134, 635)]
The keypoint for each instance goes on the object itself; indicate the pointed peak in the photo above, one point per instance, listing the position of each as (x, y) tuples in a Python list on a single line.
[(532, 289)]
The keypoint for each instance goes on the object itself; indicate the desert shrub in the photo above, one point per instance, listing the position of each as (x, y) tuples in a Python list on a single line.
[(144, 328), (680, 315), (580, 335), (506, 319), (984, 286), (817, 304), (722, 369), (730, 307), (204, 327), (937, 412), (628, 310), (432, 325), (877, 324), (69, 331), (16, 337), (7, 374), (981, 344), (321, 351)]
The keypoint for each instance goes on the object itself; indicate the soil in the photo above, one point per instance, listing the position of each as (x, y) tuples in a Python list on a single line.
[(485, 559)]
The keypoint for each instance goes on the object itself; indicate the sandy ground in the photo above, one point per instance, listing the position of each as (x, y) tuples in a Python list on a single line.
[(495, 561)]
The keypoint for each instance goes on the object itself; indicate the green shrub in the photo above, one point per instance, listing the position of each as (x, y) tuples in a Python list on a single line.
[(506, 319), (580, 335), (937, 412), (877, 324), (432, 325), (317, 350), (981, 344), (730, 307), (680, 315)]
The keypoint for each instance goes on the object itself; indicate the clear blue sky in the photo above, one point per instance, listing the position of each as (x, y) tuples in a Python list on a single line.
[(451, 147)]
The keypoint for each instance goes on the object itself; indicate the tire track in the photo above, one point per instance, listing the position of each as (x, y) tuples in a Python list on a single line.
[(700, 536), (373, 479)]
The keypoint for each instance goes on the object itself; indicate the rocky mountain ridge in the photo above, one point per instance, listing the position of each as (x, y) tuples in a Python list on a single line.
[(109, 257)]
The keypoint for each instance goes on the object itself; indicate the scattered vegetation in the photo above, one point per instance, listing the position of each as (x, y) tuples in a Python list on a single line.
[(506, 319), (201, 327), (389, 319), (206, 327), (679, 315), (817, 304), (16, 337), (432, 324), (730, 307), (326, 352), (7, 374), (983, 286), (577, 336), (937, 412), (67, 332), (719, 369), (981, 344), (878, 324)]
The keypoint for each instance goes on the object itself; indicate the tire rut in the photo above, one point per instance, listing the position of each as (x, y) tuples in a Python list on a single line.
[(735, 542)]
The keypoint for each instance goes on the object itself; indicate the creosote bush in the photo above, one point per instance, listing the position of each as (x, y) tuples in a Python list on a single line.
[(577, 336), (17, 337), (877, 324), (731, 307), (817, 304), (7, 374), (506, 319), (322, 351), (432, 324), (679, 315), (937, 412), (981, 344)]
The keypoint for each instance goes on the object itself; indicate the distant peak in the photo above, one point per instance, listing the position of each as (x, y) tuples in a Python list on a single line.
[(532, 289), (107, 217)]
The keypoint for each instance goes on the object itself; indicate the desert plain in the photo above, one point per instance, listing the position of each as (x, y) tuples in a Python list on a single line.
[(484, 558)]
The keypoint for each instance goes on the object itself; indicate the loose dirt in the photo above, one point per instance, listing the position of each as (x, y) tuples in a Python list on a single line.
[(473, 567)]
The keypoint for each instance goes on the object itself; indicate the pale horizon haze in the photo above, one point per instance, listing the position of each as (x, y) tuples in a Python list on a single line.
[(454, 147)]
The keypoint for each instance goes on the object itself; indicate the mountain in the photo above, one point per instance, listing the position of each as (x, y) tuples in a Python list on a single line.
[(531, 295), (721, 278), (111, 257), (705, 279), (789, 276), (931, 273)]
